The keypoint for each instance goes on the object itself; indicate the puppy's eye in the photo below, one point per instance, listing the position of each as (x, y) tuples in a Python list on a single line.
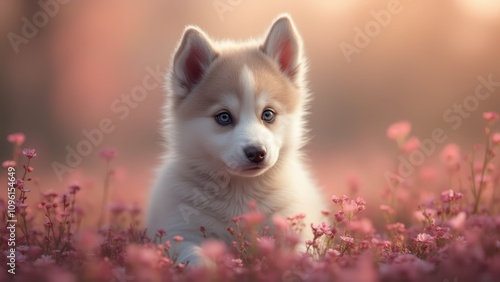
[(268, 116), (224, 119)]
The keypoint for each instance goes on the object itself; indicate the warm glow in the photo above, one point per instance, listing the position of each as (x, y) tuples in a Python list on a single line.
[(489, 9)]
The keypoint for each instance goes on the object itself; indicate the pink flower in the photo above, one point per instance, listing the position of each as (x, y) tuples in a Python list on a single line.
[(490, 116), (237, 263), (478, 166), (74, 188), (339, 200), (423, 215), (350, 206), (458, 221), (397, 227), (450, 196), (141, 255), (340, 216), (64, 214), (50, 195), (424, 238), (9, 163), (108, 154), (385, 243), (347, 239), (332, 253), (19, 184), (29, 153), (292, 239), (252, 205), (298, 216), (398, 130), (161, 232), (361, 204), (364, 226), (442, 232), (321, 229), (178, 238), (280, 223), (450, 155), (411, 145), (168, 245), (387, 209), (495, 138), (117, 208), (21, 206), (363, 271), (410, 263), (180, 267), (213, 249), (266, 244), (253, 218), (16, 138), (44, 260)]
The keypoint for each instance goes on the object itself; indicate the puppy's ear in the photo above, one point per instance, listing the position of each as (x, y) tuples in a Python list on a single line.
[(284, 45), (192, 59)]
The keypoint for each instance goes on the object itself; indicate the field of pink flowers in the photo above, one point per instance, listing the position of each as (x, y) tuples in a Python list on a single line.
[(450, 234)]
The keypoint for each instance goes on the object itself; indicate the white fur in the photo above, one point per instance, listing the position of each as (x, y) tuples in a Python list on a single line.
[(205, 178)]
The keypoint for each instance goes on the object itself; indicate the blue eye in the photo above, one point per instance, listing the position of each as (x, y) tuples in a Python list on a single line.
[(268, 116), (224, 119)]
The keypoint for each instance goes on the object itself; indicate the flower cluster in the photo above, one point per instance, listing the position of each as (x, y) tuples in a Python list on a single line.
[(444, 229)]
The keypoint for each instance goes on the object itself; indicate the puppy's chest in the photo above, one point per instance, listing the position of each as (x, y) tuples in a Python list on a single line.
[(232, 199)]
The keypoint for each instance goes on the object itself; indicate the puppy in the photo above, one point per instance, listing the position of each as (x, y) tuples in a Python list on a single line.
[(234, 128)]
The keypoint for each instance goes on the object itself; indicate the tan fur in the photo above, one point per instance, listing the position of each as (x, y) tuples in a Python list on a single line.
[(223, 77)]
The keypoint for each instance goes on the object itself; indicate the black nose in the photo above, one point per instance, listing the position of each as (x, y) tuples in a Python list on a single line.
[(255, 154)]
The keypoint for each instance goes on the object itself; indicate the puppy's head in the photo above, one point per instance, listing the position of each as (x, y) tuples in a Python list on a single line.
[(237, 107)]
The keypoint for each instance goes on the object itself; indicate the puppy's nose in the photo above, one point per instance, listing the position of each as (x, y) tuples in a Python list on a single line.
[(255, 154)]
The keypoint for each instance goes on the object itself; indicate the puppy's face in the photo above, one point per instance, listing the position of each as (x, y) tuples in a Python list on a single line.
[(236, 108)]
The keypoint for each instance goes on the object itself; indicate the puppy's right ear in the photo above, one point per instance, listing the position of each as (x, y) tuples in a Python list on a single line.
[(192, 59)]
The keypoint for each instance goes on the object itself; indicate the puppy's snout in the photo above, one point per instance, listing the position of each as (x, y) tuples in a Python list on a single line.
[(255, 154)]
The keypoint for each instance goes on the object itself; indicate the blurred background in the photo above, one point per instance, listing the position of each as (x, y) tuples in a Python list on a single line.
[(405, 60)]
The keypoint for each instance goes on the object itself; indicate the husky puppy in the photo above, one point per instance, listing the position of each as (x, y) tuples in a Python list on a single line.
[(234, 127)]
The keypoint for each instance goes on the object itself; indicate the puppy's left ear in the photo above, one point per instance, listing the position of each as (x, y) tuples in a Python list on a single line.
[(192, 59), (284, 45)]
